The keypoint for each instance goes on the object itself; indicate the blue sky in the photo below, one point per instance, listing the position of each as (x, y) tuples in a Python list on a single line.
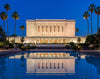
[(50, 9)]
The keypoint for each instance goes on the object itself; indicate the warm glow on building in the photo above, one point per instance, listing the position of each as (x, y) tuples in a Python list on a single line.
[(50, 31)]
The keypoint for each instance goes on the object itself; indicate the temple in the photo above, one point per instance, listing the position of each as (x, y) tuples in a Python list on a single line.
[(50, 28), (50, 31)]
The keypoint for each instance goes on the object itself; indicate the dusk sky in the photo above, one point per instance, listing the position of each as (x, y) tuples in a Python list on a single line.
[(50, 9)]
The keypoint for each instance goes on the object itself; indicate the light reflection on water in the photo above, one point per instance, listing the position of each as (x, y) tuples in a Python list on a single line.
[(50, 65)]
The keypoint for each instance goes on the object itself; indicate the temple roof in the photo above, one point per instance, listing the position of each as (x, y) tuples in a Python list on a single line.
[(50, 20)]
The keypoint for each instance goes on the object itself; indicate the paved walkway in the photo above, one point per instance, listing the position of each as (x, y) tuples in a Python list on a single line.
[(50, 45), (51, 50), (91, 51), (9, 51), (12, 51), (95, 53)]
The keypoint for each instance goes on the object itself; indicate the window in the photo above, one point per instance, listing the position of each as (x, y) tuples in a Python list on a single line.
[(54, 66), (54, 28), (42, 28), (46, 28), (50, 28), (38, 65), (38, 28), (62, 66), (62, 29), (58, 28), (42, 65), (46, 65), (58, 66), (50, 66)]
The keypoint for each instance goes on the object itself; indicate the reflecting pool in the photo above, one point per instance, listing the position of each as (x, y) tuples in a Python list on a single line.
[(50, 65)]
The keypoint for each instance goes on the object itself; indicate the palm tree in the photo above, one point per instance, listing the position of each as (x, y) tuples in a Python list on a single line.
[(2, 34), (7, 7), (4, 17), (97, 11), (77, 30), (91, 9), (22, 28), (79, 40), (86, 16), (16, 17)]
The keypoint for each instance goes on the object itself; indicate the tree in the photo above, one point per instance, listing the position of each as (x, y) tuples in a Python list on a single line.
[(22, 61), (86, 16), (2, 35), (22, 39), (13, 35), (92, 39), (91, 9), (7, 7), (22, 28), (4, 17), (16, 17), (98, 32), (97, 11), (79, 39), (77, 30)]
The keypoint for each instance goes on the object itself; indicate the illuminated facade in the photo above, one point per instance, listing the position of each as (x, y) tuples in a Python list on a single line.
[(50, 28), (50, 31)]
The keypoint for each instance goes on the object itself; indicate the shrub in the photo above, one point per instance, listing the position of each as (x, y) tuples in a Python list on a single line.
[(1, 44), (92, 39), (4, 44), (11, 45), (76, 48), (67, 46), (28, 47), (20, 45), (23, 48), (72, 44)]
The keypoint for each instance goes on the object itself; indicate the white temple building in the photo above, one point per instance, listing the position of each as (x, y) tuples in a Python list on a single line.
[(50, 31)]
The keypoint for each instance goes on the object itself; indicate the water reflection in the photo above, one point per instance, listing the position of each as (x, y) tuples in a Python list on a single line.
[(29, 65), (95, 62), (3, 68), (50, 66)]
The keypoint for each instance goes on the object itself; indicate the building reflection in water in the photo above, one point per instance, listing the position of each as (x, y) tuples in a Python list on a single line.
[(50, 63), (71, 64)]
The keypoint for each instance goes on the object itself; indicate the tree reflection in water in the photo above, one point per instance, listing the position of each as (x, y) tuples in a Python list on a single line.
[(94, 61), (3, 68), (16, 74), (76, 54), (22, 60)]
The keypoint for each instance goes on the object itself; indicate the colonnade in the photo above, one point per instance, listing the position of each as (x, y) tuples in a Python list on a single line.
[(50, 28), (50, 55), (48, 39), (55, 40), (44, 65)]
